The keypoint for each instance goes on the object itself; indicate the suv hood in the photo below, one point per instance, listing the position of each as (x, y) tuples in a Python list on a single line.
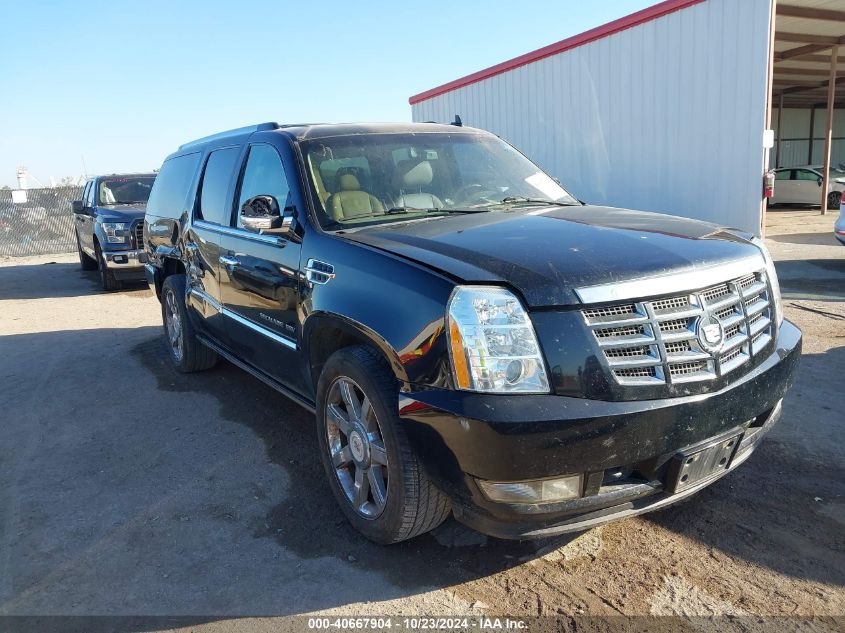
[(121, 212), (547, 253)]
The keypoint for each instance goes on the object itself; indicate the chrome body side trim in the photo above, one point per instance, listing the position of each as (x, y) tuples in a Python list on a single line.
[(200, 294), (671, 283), (271, 335), (207, 298), (247, 235)]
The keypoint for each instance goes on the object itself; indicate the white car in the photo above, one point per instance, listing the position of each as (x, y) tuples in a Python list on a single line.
[(801, 185)]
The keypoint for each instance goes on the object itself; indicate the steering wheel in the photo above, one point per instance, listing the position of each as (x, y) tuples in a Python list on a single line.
[(473, 192)]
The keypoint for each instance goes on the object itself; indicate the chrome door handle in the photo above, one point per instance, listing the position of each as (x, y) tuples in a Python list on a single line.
[(228, 261)]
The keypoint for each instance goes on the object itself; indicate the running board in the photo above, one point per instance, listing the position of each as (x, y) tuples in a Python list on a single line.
[(267, 380)]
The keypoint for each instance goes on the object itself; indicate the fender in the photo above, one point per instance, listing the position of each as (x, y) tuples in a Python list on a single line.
[(358, 330), (397, 304)]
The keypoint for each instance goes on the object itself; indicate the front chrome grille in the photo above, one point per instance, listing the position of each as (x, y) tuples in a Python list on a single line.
[(659, 341), (139, 235), (610, 312)]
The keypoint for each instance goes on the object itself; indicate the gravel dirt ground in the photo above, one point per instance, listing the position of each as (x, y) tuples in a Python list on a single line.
[(129, 489)]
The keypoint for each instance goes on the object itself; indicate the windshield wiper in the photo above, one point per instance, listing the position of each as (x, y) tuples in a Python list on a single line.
[(397, 210), (129, 202), (527, 200)]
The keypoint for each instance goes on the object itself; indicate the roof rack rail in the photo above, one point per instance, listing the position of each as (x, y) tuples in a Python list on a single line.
[(260, 127)]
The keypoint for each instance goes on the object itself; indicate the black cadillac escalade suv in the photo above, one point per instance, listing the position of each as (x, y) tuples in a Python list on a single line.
[(472, 338)]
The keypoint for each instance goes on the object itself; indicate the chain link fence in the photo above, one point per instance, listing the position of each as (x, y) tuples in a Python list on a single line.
[(39, 223)]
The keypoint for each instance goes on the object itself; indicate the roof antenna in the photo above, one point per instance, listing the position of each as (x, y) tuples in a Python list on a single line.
[(457, 122)]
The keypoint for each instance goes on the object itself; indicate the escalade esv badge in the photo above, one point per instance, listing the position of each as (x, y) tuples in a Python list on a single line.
[(710, 334)]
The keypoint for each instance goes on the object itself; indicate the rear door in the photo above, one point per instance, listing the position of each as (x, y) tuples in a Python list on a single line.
[(202, 246), (259, 275)]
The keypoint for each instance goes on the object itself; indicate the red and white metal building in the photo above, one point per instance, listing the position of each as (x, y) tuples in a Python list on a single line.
[(668, 109)]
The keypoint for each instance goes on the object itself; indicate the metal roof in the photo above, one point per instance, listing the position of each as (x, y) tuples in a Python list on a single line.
[(805, 31)]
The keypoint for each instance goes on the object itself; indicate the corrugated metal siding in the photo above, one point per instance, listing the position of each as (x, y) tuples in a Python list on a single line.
[(795, 137), (666, 116)]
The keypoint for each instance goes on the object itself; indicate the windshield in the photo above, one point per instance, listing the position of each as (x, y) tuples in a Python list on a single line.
[(366, 179), (125, 189)]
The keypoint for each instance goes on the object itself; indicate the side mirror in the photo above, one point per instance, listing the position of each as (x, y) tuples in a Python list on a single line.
[(261, 214), (77, 206), (820, 181)]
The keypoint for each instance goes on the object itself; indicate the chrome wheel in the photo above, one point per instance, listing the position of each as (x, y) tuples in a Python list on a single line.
[(356, 445), (173, 325)]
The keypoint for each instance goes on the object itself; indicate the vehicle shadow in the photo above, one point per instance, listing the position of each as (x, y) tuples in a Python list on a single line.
[(164, 493), (821, 239), (814, 279), (54, 280), (306, 520)]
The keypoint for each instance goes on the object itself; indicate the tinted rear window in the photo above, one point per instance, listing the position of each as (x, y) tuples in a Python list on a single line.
[(172, 186), (215, 205)]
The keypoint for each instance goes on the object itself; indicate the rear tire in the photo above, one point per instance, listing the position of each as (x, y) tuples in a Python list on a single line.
[(187, 352), (398, 501), (85, 262), (834, 199), (107, 278)]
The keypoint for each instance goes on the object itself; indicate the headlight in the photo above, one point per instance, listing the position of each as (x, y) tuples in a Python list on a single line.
[(115, 232), (772, 274), (492, 342)]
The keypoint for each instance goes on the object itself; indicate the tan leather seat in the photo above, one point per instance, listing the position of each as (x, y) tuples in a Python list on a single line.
[(409, 179), (350, 202)]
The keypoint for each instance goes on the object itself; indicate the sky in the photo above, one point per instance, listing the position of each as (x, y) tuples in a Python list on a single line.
[(98, 87)]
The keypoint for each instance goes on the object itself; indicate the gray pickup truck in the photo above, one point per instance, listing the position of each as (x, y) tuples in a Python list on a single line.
[(109, 222)]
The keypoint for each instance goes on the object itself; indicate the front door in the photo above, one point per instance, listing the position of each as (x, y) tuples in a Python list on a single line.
[(259, 274)]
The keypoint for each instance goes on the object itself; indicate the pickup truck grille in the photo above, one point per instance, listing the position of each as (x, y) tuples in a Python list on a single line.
[(697, 336), (139, 235)]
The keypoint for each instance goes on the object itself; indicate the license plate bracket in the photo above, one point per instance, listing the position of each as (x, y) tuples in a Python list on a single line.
[(694, 466)]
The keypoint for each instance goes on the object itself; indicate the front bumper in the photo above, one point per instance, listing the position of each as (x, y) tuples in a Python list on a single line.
[(126, 264), (125, 259), (622, 448)]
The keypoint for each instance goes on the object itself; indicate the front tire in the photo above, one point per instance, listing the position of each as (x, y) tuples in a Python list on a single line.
[(834, 199), (186, 350), (107, 278), (374, 475), (85, 262)]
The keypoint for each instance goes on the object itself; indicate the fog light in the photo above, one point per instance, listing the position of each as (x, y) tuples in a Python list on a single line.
[(535, 491)]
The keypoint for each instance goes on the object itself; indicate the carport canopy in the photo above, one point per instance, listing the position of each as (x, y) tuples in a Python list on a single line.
[(808, 60)]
